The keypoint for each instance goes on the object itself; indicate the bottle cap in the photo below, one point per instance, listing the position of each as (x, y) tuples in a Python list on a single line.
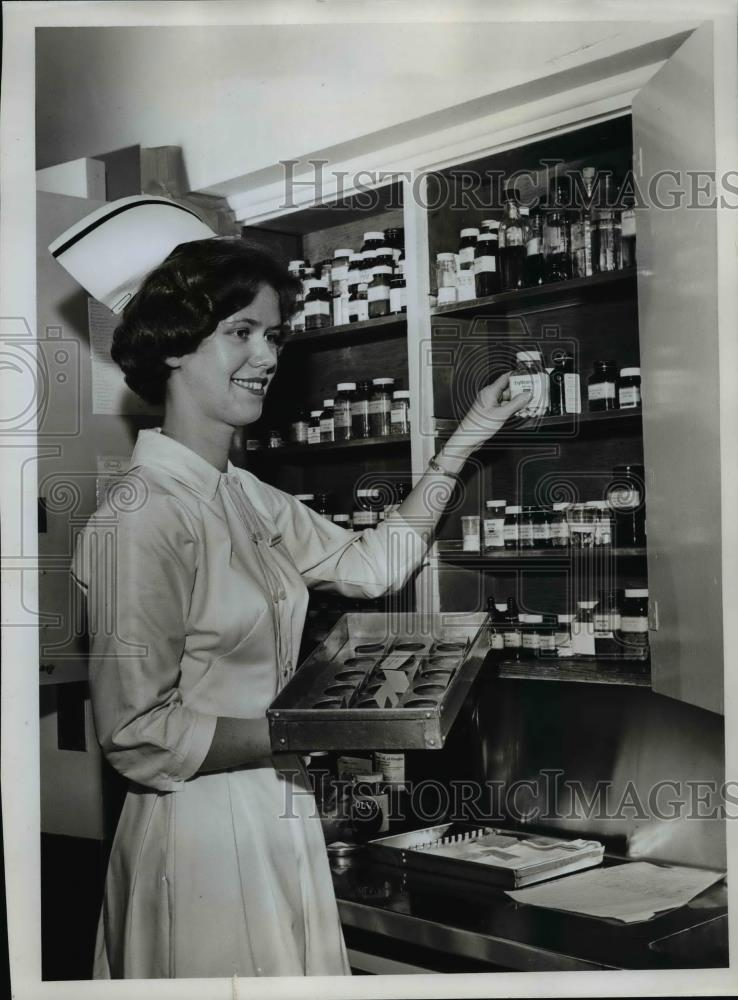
[(341, 518), (561, 506), (528, 356), (515, 509), (638, 592), (535, 619), (586, 605), (309, 283), (628, 372), (295, 265), (383, 381), (356, 258), (361, 287), (524, 210), (304, 496), (346, 386), (501, 607), (471, 231), (381, 269), (368, 493), (491, 223), (327, 403), (315, 413), (401, 394), (565, 619), (489, 504), (373, 236), (445, 256), (343, 253)]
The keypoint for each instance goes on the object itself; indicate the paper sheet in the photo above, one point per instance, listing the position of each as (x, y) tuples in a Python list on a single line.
[(630, 892)]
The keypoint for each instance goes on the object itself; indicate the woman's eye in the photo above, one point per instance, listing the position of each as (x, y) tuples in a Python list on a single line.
[(242, 332)]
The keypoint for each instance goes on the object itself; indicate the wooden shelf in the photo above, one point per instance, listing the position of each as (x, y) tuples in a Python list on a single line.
[(527, 299), (574, 424), (451, 552), (382, 328), (304, 452), (577, 671)]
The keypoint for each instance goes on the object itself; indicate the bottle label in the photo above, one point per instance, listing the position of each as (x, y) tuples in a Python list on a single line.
[(391, 766), (485, 264), (629, 396), (556, 239), (541, 533), (525, 532), (512, 638), (359, 408), (300, 432), (559, 530), (628, 224), (398, 299), (547, 643), (318, 307), (378, 293), (534, 246), (603, 533), (398, 415), (494, 532), (326, 426), (313, 435), (379, 406), (572, 393), (602, 390), (510, 532), (358, 311), (342, 415), (536, 383), (514, 237), (531, 640), (496, 640), (633, 623), (466, 256)]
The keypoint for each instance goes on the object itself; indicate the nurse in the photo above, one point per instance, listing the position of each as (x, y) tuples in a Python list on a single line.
[(196, 576)]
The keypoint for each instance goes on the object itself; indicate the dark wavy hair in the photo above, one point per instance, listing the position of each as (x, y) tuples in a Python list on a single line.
[(182, 301)]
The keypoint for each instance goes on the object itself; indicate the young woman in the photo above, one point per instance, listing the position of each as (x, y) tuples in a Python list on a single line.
[(196, 575)]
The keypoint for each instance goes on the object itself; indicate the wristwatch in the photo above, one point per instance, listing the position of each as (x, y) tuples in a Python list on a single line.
[(435, 467)]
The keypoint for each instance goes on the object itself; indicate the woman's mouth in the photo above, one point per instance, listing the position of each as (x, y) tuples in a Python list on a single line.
[(255, 385)]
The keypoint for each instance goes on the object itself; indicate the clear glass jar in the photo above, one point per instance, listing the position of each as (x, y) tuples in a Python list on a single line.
[(360, 427), (604, 530), (340, 289), (562, 635), (400, 412), (581, 226), (606, 237), (601, 387), (486, 272), (378, 293), (327, 427), (633, 632), (380, 407), (299, 428), (582, 638), (547, 637), (626, 496), (494, 524), (358, 309), (559, 526), (629, 388), (342, 410), (582, 523), (557, 233), (531, 635), (318, 307), (446, 278), (530, 376), (541, 529), (314, 427), (275, 439), (511, 526)]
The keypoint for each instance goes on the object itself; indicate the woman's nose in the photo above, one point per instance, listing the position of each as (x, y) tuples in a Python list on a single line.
[(263, 354)]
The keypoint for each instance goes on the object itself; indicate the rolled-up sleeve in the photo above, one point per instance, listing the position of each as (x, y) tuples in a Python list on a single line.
[(137, 571), (365, 563)]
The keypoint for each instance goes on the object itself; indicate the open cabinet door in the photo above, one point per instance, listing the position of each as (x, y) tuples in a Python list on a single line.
[(674, 131)]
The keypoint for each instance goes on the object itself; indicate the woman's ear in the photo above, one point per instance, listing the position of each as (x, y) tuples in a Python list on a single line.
[(173, 362)]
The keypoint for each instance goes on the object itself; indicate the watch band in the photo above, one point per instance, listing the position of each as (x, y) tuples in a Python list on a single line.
[(435, 467)]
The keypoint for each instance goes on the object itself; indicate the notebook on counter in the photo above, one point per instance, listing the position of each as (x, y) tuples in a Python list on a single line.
[(506, 858)]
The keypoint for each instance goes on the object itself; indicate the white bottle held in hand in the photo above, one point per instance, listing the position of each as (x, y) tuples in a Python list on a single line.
[(530, 376)]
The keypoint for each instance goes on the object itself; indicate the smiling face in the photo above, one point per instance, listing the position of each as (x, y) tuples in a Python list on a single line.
[(225, 380)]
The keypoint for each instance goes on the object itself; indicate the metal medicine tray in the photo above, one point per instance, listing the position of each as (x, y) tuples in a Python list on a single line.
[(381, 682)]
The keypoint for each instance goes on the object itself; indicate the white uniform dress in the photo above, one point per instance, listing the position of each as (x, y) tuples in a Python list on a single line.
[(196, 586)]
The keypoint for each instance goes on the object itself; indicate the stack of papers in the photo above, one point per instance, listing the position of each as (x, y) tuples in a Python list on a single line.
[(629, 893)]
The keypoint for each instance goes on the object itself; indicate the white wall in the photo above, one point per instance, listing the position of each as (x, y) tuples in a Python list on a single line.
[(240, 98)]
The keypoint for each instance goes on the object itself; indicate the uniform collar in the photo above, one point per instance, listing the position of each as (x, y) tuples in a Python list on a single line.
[(155, 450)]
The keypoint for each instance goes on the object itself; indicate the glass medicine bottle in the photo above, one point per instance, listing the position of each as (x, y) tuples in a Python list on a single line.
[(378, 293), (446, 277), (358, 307), (512, 636), (400, 412), (557, 233), (512, 243), (601, 386), (626, 499), (360, 411), (629, 388), (525, 529), (559, 526), (510, 528), (534, 257), (530, 376), (317, 304), (566, 394), (327, 426), (299, 428), (398, 294), (606, 228), (633, 632), (581, 226), (314, 427), (486, 273), (380, 407), (342, 410), (628, 233)]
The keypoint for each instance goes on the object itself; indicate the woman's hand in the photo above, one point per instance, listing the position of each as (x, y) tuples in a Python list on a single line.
[(489, 411)]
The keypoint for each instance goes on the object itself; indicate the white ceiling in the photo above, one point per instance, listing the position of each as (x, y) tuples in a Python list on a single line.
[(238, 99)]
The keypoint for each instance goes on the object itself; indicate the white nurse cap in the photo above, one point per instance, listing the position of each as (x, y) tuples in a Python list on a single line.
[(112, 250)]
